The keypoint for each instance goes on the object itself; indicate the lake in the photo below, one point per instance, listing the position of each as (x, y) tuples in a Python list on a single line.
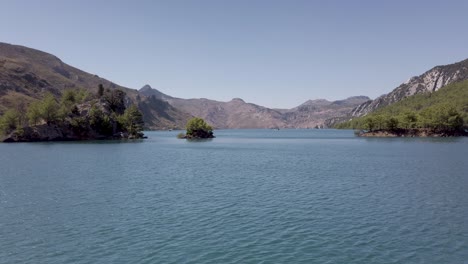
[(247, 196)]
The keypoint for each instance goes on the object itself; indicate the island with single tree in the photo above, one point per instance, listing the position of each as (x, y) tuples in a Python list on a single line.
[(76, 115), (197, 128)]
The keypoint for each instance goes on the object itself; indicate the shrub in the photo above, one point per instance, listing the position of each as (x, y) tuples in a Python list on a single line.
[(198, 128)]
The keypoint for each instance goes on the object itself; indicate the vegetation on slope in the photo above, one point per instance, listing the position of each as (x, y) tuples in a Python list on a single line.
[(443, 110), (77, 115)]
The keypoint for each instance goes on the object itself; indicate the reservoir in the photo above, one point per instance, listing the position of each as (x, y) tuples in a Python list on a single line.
[(247, 196)]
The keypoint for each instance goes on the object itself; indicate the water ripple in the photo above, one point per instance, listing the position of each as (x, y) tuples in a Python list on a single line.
[(246, 197)]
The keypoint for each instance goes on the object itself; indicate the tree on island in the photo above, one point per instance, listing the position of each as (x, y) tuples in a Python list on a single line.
[(76, 115), (133, 121), (197, 128)]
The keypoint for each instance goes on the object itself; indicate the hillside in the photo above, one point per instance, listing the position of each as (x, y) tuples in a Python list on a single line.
[(27, 75), (427, 82), (444, 107), (239, 114)]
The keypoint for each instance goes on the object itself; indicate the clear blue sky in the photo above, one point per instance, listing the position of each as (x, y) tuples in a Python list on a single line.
[(273, 53)]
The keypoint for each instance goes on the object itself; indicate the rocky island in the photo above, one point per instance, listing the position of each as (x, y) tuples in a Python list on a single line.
[(77, 115)]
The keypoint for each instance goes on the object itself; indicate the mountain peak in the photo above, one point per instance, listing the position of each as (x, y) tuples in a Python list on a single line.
[(147, 90), (358, 97), (146, 87), (239, 100), (316, 102)]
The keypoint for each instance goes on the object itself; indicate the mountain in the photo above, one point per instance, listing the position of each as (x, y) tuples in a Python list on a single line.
[(239, 114), (233, 114), (314, 113), (427, 82), (27, 74)]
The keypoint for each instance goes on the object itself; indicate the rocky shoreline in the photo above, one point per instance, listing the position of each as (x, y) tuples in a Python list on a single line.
[(56, 132), (413, 132)]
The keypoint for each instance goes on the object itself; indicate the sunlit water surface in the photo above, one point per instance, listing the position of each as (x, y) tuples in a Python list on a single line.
[(248, 196)]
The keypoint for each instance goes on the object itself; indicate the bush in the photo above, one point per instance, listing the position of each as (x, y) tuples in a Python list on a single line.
[(9, 121), (49, 108), (198, 128)]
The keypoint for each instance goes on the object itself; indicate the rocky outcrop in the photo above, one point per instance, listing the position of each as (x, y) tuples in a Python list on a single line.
[(428, 82), (59, 132)]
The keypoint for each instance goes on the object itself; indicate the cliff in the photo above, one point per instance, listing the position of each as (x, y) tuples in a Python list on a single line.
[(427, 82)]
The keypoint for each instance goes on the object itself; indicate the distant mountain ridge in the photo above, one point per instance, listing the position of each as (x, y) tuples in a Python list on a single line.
[(239, 114), (429, 81)]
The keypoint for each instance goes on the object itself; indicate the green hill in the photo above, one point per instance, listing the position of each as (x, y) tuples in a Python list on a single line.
[(444, 109)]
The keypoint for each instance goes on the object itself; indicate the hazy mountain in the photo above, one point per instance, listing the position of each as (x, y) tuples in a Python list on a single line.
[(427, 82), (239, 114), (314, 113), (27, 74), (233, 114)]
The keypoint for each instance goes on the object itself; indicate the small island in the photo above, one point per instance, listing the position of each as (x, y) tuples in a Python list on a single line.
[(76, 115), (197, 128)]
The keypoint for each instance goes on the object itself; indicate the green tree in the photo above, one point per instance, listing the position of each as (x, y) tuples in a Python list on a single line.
[(198, 128), (369, 123), (9, 121), (34, 113), (391, 123), (454, 119), (99, 121), (408, 119), (133, 121), (379, 121), (68, 97), (49, 109)]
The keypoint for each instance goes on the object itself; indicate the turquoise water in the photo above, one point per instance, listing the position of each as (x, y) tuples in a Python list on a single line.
[(247, 196)]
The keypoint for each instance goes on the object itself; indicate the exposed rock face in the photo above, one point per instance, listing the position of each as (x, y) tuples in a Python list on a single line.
[(430, 81), (239, 114)]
